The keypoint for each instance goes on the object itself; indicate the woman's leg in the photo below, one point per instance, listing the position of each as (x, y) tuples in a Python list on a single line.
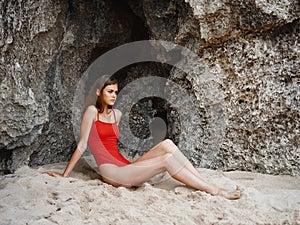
[(142, 171), (161, 148), (168, 146)]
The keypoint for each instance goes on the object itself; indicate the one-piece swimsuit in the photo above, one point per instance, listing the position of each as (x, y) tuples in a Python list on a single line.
[(103, 143)]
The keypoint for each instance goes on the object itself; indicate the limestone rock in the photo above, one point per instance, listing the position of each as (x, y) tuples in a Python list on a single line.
[(244, 83), (45, 47)]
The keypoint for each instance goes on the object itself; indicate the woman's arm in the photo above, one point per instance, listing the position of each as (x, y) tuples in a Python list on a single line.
[(71, 164), (86, 124)]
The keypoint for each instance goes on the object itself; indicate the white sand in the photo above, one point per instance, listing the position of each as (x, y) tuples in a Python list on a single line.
[(29, 197)]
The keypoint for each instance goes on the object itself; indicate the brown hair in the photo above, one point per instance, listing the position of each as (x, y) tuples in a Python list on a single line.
[(101, 83)]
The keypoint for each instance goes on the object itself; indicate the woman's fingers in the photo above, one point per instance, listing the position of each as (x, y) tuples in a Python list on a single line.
[(53, 174)]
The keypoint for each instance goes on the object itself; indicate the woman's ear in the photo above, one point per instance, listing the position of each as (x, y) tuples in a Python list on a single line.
[(98, 92)]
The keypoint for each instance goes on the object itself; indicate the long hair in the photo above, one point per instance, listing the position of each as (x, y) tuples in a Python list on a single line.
[(100, 84)]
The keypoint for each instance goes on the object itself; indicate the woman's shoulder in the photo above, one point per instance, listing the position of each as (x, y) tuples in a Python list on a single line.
[(117, 111), (91, 111), (91, 108), (118, 114)]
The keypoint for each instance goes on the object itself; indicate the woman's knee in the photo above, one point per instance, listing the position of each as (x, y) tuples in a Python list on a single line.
[(168, 145), (165, 158)]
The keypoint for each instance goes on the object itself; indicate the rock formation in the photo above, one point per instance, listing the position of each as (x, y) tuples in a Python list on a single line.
[(245, 84)]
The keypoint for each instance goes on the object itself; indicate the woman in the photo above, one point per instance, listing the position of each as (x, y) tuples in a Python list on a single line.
[(99, 130)]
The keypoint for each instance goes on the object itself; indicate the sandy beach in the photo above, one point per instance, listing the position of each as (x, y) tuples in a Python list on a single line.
[(30, 197)]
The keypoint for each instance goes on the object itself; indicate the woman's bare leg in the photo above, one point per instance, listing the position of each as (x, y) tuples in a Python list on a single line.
[(142, 171), (161, 148), (168, 146)]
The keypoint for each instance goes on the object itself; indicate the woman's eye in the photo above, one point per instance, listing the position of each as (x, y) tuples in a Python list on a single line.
[(112, 91)]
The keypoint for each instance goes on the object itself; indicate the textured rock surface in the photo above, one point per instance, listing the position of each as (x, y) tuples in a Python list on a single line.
[(245, 84), (45, 47)]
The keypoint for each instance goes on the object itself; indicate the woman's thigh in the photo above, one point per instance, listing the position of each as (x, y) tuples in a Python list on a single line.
[(133, 174)]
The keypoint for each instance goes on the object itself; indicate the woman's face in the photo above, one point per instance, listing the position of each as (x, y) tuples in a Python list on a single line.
[(109, 94)]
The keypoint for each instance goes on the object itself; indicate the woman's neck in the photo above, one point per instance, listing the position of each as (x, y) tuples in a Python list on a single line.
[(106, 110)]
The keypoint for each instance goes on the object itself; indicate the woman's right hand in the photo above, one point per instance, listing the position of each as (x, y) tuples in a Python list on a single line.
[(88, 119), (54, 174)]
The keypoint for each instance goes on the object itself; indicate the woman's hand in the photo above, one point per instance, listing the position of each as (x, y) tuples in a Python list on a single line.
[(54, 174)]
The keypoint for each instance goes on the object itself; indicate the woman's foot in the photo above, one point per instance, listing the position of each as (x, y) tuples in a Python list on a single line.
[(231, 195)]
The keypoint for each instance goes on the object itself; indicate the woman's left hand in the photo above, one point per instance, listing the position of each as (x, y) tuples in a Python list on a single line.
[(54, 174)]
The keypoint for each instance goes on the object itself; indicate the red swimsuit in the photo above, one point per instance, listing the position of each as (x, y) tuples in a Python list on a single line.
[(103, 143)]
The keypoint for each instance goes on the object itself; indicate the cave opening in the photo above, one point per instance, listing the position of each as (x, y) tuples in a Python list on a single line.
[(6, 157), (149, 117), (137, 29), (153, 110)]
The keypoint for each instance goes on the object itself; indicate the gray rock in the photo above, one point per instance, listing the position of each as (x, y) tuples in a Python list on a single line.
[(243, 86), (45, 48), (247, 96)]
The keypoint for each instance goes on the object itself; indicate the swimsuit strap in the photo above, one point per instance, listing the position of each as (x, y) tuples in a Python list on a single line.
[(97, 114), (113, 112), (114, 115)]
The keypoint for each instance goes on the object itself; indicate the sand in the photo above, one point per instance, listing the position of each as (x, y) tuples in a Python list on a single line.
[(30, 197)]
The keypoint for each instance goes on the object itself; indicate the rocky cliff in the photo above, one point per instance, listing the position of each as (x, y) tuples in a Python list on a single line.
[(245, 84)]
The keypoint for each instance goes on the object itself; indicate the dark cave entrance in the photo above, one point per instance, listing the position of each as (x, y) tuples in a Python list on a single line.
[(5, 160), (150, 110)]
